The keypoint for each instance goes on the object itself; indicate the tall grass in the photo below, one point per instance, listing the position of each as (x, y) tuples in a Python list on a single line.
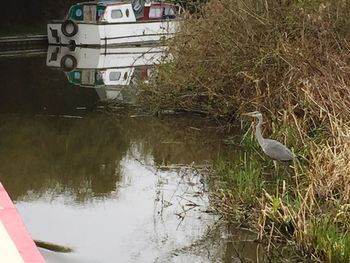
[(291, 61), (286, 58), (242, 174), (332, 243)]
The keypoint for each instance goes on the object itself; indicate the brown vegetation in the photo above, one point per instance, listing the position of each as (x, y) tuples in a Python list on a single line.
[(291, 61), (242, 55)]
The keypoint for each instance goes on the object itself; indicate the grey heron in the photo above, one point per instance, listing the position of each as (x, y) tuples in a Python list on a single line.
[(272, 148)]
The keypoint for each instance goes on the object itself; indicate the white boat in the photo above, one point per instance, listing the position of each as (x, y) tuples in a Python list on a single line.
[(66, 59), (110, 71), (105, 23)]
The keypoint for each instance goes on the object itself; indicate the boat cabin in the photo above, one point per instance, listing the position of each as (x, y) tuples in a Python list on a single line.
[(91, 12), (115, 12)]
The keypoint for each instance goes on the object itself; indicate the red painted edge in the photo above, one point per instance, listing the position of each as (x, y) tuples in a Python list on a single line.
[(17, 231)]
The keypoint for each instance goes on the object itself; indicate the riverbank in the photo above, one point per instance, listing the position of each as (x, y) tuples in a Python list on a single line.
[(291, 62)]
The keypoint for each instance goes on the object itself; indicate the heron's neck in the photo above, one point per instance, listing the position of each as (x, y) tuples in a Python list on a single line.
[(258, 132)]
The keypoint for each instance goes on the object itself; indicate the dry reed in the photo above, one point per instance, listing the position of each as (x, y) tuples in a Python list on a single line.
[(291, 61)]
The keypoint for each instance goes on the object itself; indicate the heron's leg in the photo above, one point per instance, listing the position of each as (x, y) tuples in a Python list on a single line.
[(275, 164)]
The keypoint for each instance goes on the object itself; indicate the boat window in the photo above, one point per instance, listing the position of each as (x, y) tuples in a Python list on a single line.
[(76, 13), (100, 13), (77, 75), (116, 13), (114, 76), (161, 11), (127, 12), (155, 12), (168, 11), (100, 9)]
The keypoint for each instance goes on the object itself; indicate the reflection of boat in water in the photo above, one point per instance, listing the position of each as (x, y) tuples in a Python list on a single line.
[(103, 23), (112, 72)]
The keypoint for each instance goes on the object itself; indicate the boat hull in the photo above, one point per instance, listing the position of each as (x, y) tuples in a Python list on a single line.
[(97, 34), (102, 58)]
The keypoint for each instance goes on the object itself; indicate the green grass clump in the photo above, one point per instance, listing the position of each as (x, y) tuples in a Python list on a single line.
[(249, 141), (243, 176), (333, 243), (238, 182)]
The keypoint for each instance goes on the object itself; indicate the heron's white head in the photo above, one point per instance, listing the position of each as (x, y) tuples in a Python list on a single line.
[(253, 114)]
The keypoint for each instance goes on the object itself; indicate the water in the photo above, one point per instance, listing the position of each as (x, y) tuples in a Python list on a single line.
[(114, 187)]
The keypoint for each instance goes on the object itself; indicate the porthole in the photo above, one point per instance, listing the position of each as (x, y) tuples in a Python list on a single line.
[(78, 12)]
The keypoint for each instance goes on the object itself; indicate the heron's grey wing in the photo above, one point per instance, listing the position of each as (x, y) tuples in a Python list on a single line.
[(277, 150)]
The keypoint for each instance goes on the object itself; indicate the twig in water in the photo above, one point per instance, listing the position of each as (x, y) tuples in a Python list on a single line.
[(192, 203), (52, 247), (239, 257)]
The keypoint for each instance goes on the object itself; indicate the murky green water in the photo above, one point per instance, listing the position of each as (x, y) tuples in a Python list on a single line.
[(115, 188)]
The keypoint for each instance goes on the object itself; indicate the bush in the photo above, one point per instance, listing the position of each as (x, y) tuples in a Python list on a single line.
[(272, 56), (289, 60)]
